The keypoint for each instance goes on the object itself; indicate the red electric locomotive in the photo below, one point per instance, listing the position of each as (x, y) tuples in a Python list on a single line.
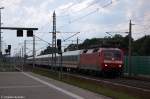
[(106, 60)]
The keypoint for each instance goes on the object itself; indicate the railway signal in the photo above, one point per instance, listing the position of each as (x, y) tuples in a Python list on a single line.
[(20, 30), (59, 46), (9, 47), (19, 33), (29, 33), (59, 52), (6, 51)]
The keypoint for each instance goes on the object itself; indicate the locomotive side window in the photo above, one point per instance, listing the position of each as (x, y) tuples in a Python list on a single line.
[(99, 54), (85, 51), (95, 50)]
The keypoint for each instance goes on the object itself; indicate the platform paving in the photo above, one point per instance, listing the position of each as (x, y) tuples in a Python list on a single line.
[(27, 85)]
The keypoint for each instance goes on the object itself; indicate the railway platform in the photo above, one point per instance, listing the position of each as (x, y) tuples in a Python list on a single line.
[(26, 85)]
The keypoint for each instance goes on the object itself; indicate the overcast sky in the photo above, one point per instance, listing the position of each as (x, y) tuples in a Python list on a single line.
[(92, 18)]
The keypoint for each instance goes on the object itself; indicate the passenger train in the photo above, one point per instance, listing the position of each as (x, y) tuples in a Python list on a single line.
[(101, 60)]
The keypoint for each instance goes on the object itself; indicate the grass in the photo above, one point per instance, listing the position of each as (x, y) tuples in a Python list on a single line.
[(89, 85), (6, 67)]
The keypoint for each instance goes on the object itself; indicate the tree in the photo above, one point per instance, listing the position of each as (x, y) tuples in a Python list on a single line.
[(48, 50), (140, 46)]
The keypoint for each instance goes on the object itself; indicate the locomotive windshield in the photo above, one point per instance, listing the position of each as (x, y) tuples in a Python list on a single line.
[(112, 55)]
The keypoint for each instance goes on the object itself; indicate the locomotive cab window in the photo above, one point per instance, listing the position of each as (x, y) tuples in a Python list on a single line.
[(112, 55), (108, 55)]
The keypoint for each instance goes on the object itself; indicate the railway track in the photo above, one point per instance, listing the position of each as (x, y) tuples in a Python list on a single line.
[(129, 86), (120, 82), (135, 84)]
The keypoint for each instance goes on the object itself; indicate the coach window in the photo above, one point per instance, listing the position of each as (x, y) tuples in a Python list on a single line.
[(68, 58), (74, 58), (71, 58), (64, 58)]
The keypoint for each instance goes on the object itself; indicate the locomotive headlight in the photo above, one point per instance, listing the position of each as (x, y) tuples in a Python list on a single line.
[(106, 65), (120, 65)]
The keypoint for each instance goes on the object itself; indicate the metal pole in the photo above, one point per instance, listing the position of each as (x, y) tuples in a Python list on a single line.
[(129, 49), (55, 38), (22, 55), (0, 32), (20, 59), (1, 57), (34, 51), (54, 41), (77, 43), (61, 66), (24, 52)]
